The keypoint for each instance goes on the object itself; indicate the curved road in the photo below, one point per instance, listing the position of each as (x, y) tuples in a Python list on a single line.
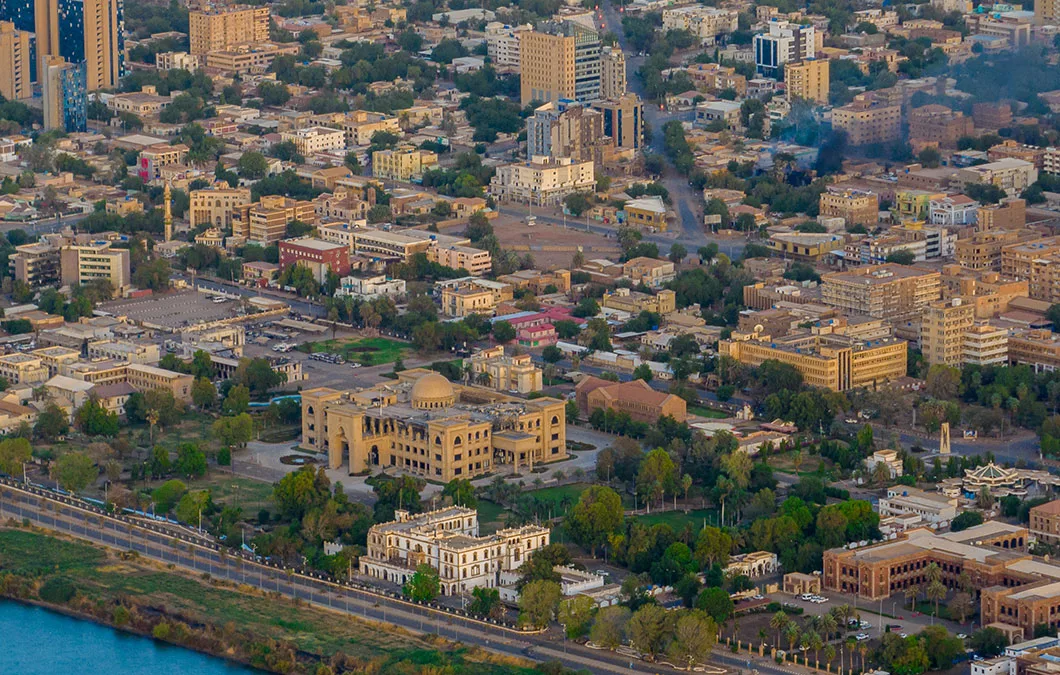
[(196, 554)]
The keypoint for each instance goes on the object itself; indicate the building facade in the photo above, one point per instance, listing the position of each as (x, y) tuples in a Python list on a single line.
[(217, 27), (785, 42), (869, 120), (497, 370), (215, 206), (562, 61), (807, 80), (543, 181), (402, 164), (15, 52), (85, 263)]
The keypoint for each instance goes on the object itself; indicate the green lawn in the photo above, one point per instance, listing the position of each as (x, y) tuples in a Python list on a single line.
[(368, 351), (679, 519), (709, 413), (556, 494), (490, 516)]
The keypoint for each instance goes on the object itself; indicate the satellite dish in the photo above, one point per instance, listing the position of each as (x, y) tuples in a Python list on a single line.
[(759, 328)]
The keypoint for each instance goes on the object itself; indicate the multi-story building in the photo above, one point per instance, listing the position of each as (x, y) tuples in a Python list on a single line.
[(992, 115), (983, 250), (985, 345), (427, 426), (942, 330), (215, 27), (155, 157), (246, 59), (651, 272), (64, 94), (635, 397), (1045, 522), (623, 120), (214, 206), (93, 32), (646, 212), (835, 362), (474, 260), (934, 508), (504, 372), (145, 377), (937, 125), (143, 103), (15, 52), (807, 80), (1039, 349), (805, 246), (119, 350), (19, 368), (634, 302), (178, 61), (564, 129), (1011, 175), (889, 291), (612, 73), (706, 23), (404, 164), (868, 119), (502, 44), (1035, 261), (320, 257), (542, 181), (560, 61), (448, 541), (855, 207), (360, 125), (471, 295), (716, 78), (312, 140), (56, 358), (986, 290), (991, 554), (389, 245), (785, 41), (97, 260), (36, 264), (266, 221), (953, 210)]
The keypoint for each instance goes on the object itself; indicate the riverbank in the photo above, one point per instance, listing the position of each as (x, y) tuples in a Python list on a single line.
[(239, 623)]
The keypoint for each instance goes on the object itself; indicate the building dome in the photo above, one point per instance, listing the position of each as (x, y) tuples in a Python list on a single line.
[(432, 391)]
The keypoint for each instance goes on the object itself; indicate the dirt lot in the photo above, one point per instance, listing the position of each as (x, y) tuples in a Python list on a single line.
[(513, 233)]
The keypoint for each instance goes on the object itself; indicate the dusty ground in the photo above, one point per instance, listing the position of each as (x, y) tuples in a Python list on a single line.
[(513, 233)]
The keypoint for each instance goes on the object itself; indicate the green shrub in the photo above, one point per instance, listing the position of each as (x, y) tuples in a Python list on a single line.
[(58, 590)]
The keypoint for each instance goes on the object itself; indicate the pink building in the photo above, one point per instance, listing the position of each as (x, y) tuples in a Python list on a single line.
[(541, 335)]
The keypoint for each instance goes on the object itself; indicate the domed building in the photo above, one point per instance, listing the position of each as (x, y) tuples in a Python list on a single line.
[(432, 392)]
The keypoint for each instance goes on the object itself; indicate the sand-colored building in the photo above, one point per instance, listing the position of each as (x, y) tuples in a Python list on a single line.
[(215, 206), (504, 372), (887, 291), (636, 397), (266, 221), (807, 80), (218, 26), (855, 207)]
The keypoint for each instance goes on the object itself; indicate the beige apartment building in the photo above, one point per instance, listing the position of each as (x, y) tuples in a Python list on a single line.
[(612, 73), (16, 75), (1039, 349), (476, 261), (807, 80), (855, 207), (218, 26), (545, 182), (312, 140), (463, 297), (982, 251), (215, 206), (36, 264), (56, 358), (985, 345), (835, 362), (942, 329), (245, 59), (634, 302), (868, 120), (402, 164), (1039, 263), (265, 222), (103, 23), (359, 126), (1010, 174), (146, 377), (448, 540), (1045, 522), (886, 291), (18, 368), (85, 263), (497, 370)]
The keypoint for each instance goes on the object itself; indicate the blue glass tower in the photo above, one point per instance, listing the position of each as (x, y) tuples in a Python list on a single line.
[(18, 12), (73, 84), (72, 30)]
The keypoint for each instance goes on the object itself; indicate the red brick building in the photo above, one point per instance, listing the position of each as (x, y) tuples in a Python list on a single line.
[(319, 256)]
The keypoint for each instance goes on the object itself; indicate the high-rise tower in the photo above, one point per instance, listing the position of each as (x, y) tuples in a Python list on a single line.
[(167, 213)]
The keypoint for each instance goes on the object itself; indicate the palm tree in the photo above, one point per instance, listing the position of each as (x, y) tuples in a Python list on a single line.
[(779, 622), (911, 593), (484, 378), (829, 625), (863, 647), (852, 647), (686, 485), (796, 461), (933, 572), (152, 419), (829, 655), (791, 631), (815, 644), (936, 591)]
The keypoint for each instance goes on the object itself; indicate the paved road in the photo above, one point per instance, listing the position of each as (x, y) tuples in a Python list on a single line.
[(686, 201), (67, 516), (301, 306)]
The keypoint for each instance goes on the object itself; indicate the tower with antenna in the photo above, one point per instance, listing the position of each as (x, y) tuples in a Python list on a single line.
[(168, 212)]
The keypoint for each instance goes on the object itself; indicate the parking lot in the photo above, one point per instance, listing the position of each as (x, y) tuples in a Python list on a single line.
[(173, 310)]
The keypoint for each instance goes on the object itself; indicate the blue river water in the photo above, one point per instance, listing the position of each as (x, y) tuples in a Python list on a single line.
[(38, 642)]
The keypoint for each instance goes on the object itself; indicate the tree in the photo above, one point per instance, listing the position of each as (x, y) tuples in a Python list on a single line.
[(461, 491), (642, 372), (677, 253), (95, 420), (936, 591), (503, 331), (51, 423), (658, 474), (486, 602), (537, 602), (191, 462), (649, 630), (192, 506), (575, 614), (166, 495), (237, 401), (961, 606), (423, 585), (302, 491), (235, 431), (943, 382), (159, 464), (13, 453), (552, 354), (988, 642), (778, 622), (713, 547), (695, 635), (253, 165), (203, 393), (570, 412), (609, 629), (596, 516), (716, 603), (902, 257), (75, 471), (966, 519)]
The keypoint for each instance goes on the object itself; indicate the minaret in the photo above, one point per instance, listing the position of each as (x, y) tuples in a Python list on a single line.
[(168, 213)]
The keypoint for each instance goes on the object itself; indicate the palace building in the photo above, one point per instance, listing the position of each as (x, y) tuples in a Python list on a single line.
[(448, 541), (425, 425)]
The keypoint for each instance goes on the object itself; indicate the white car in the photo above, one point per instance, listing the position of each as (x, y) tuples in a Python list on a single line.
[(903, 635), (861, 636), (355, 365), (961, 636)]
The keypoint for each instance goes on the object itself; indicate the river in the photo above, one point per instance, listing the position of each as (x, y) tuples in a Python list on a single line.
[(39, 642)]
